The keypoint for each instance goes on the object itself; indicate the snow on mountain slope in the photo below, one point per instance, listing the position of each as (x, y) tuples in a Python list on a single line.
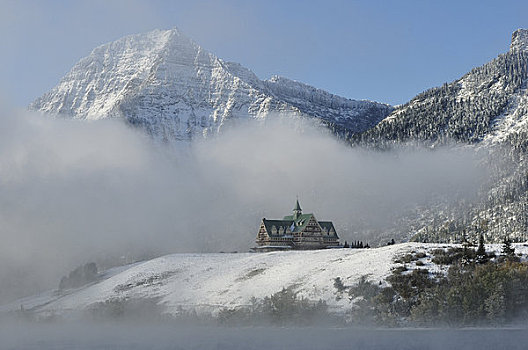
[(353, 115), (211, 282), (487, 104), (165, 83), (515, 116), (514, 119), (519, 40), (485, 111)]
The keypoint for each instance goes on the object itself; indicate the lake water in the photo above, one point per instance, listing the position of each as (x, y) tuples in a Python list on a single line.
[(165, 336)]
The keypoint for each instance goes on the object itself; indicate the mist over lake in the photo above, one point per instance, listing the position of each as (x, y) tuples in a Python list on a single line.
[(166, 336)]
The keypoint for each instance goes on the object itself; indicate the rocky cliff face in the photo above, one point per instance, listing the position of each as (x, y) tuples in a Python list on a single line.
[(166, 84), (519, 40)]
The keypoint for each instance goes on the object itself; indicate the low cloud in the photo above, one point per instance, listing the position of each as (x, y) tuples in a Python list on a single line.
[(75, 191)]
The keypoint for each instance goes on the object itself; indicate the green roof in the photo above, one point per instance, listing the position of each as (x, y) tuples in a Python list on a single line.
[(301, 221), (285, 224), (328, 225)]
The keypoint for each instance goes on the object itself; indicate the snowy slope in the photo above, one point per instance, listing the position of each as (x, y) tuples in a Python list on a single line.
[(165, 83), (515, 117), (488, 104), (353, 115), (210, 282)]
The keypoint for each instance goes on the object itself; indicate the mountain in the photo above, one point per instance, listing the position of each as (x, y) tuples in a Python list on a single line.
[(487, 110), (490, 102), (169, 86)]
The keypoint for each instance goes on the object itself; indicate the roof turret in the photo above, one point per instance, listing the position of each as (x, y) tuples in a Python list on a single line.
[(297, 206), (297, 211)]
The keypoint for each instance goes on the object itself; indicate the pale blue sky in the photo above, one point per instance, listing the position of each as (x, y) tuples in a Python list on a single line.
[(386, 51)]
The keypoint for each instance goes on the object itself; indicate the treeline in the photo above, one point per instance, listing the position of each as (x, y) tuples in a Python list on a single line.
[(478, 289), (282, 308), (82, 275), (356, 245), (279, 309)]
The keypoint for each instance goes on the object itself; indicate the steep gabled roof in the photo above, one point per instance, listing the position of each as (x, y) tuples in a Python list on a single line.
[(301, 221), (297, 206), (328, 225), (285, 224)]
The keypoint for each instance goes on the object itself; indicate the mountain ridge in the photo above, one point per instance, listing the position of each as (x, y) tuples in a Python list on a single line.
[(165, 83), (469, 109)]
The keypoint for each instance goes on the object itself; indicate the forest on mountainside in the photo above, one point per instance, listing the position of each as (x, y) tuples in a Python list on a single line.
[(466, 113)]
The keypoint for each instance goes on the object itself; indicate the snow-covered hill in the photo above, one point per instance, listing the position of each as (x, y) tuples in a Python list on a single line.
[(210, 282), (165, 83)]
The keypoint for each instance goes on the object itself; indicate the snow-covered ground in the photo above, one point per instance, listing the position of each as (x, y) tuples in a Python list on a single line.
[(211, 282)]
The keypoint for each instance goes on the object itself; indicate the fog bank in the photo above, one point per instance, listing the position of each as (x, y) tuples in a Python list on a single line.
[(75, 191)]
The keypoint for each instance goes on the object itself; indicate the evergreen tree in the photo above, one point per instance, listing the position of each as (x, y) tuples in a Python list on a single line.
[(467, 251), (338, 284), (482, 257), (495, 305), (508, 251)]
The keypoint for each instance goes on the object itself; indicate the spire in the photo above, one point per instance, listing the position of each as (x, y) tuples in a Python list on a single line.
[(297, 206), (297, 211)]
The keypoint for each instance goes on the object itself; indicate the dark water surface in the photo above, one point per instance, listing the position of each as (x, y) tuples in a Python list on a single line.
[(120, 336)]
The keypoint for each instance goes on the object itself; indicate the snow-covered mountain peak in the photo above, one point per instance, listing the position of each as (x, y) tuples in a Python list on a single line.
[(98, 83), (151, 41), (519, 40), (165, 83)]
